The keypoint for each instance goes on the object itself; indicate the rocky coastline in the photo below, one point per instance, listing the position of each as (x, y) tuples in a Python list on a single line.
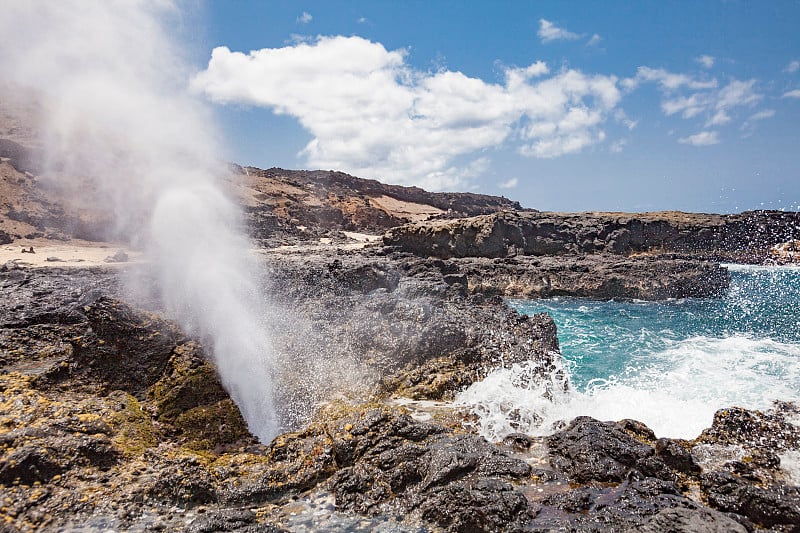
[(113, 418)]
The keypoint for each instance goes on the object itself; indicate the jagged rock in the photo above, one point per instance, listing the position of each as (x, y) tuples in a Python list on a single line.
[(768, 506), (170, 434), (744, 237), (590, 450), (126, 348), (691, 519), (676, 456), (279, 202), (231, 520), (600, 276), (389, 460), (754, 429)]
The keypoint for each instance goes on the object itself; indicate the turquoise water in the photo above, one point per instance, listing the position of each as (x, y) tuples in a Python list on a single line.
[(609, 339), (669, 364)]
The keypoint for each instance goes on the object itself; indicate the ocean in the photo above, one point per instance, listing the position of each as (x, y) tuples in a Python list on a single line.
[(669, 364)]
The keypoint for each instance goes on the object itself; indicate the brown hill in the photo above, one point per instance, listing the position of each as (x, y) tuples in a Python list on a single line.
[(310, 203), (280, 205)]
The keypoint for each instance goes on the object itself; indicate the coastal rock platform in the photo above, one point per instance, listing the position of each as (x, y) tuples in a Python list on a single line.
[(114, 418)]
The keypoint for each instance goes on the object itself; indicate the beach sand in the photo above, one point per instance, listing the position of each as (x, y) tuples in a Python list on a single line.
[(72, 253)]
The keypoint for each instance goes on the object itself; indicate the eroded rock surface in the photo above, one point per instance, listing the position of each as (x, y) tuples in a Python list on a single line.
[(596, 276), (745, 237), (112, 418)]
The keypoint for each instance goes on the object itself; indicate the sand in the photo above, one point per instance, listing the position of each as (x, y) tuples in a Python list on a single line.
[(73, 253)]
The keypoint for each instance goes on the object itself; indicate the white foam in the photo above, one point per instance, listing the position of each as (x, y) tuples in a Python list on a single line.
[(737, 267), (675, 391), (790, 464)]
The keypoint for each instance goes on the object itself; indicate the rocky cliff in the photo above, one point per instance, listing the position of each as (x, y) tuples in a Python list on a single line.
[(288, 204), (746, 237)]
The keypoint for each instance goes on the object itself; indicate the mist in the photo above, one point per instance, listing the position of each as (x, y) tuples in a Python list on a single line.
[(120, 130)]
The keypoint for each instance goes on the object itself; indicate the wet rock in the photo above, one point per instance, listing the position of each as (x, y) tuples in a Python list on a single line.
[(485, 505), (230, 520), (458, 482), (519, 441), (754, 429), (599, 276), (768, 506), (183, 482), (676, 456), (696, 519), (126, 348), (590, 450), (606, 507)]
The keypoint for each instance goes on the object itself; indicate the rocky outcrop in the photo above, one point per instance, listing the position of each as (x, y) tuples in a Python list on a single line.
[(111, 418), (111, 412), (744, 237), (597, 276), (285, 205)]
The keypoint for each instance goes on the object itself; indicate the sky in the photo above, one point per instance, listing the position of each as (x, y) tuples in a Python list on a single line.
[(564, 106)]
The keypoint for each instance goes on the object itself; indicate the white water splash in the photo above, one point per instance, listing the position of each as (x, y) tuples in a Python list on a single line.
[(676, 392), (112, 82)]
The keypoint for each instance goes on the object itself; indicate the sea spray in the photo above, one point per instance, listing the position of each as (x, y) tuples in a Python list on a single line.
[(118, 122), (668, 364)]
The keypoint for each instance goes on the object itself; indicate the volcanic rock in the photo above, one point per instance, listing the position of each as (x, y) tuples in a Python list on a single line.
[(597, 276), (746, 237)]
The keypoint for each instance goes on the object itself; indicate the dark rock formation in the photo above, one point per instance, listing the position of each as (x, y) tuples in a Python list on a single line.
[(589, 450), (598, 276), (111, 418), (745, 237)]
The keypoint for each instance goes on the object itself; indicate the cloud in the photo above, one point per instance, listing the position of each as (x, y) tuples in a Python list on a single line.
[(617, 146), (792, 67), (704, 138), (705, 61), (719, 118), (621, 117), (594, 41), (372, 115), (749, 126), (549, 32), (792, 94), (509, 184), (304, 18), (690, 97), (668, 81), (762, 115), (362, 20)]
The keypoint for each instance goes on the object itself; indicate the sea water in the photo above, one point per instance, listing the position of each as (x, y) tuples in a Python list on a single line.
[(669, 364)]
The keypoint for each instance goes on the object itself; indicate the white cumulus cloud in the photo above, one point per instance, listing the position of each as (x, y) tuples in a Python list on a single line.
[(594, 40), (372, 115), (793, 66), (690, 97), (305, 18), (549, 32), (668, 81), (509, 184), (704, 138), (705, 61), (792, 94)]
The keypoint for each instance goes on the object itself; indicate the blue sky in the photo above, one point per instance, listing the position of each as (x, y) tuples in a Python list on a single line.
[(627, 106)]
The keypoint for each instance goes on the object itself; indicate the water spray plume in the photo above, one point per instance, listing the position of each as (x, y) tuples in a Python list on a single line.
[(112, 86)]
